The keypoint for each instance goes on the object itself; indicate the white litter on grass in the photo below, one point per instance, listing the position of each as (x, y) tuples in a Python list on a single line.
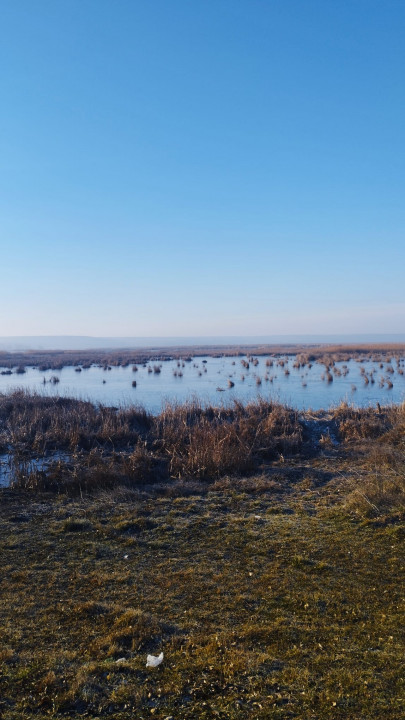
[(154, 660), (120, 660)]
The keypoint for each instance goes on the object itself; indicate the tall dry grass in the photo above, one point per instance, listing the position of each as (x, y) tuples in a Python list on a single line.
[(104, 446), (210, 442), (378, 436)]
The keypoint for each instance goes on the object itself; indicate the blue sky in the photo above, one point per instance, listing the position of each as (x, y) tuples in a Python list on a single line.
[(204, 167)]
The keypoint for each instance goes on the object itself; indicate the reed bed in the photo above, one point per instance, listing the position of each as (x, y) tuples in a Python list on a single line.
[(107, 446), (305, 354), (71, 446)]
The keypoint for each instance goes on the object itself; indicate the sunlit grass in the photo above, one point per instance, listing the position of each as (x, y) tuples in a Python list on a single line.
[(271, 581)]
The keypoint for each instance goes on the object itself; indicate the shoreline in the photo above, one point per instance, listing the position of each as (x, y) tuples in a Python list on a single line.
[(72, 446)]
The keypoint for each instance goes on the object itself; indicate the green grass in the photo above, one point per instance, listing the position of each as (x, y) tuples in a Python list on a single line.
[(276, 603), (274, 594)]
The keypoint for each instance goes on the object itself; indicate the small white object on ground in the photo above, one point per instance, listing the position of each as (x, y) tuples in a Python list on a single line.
[(120, 660), (154, 660)]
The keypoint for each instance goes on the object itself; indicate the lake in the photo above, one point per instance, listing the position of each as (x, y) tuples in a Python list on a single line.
[(209, 378)]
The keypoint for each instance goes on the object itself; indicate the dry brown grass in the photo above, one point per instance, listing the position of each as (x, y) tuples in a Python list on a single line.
[(105, 448), (361, 423), (109, 446), (275, 593), (307, 353), (377, 438), (211, 442)]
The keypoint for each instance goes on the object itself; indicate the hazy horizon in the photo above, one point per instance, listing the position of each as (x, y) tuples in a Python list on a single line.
[(66, 342)]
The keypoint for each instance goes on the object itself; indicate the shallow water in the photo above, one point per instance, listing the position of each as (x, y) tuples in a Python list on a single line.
[(5, 471), (207, 378), (7, 465)]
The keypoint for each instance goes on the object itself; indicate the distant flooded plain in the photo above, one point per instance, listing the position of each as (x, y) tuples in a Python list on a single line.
[(219, 380)]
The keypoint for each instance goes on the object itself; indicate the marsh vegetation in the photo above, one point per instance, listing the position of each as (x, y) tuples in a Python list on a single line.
[(260, 548), (312, 379)]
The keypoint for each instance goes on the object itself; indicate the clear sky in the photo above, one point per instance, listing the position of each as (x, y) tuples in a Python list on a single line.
[(202, 167)]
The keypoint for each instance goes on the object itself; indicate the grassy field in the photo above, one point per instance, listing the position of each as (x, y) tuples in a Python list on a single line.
[(273, 591)]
